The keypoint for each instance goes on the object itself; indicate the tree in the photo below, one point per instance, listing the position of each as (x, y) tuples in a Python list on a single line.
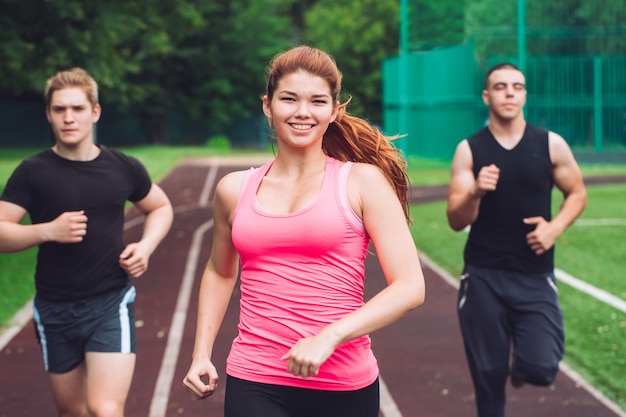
[(436, 23), (359, 35), (201, 61), (568, 27), (215, 72), (41, 37)]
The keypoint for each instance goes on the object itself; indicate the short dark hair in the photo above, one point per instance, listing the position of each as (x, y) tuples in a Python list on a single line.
[(502, 65)]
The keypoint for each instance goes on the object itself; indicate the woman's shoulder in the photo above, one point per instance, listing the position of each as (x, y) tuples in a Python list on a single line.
[(230, 184), (365, 172), (232, 181), (364, 178)]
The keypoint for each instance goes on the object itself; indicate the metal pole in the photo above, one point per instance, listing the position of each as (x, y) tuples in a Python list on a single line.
[(402, 74), (597, 104), (521, 34)]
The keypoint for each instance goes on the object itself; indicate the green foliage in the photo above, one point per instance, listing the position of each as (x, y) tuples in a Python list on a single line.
[(218, 143), (204, 58), (41, 37), (570, 27), (435, 24), (484, 17), (216, 73), (359, 35)]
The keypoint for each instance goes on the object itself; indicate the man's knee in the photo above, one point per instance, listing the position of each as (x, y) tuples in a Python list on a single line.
[(540, 374)]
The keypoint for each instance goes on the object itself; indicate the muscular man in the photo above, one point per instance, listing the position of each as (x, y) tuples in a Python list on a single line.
[(501, 186)]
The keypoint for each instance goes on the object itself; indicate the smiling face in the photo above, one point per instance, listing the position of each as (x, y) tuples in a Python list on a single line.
[(72, 116), (505, 94), (301, 109)]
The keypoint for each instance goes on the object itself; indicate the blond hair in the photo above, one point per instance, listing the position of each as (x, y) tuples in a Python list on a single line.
[(74, 77)]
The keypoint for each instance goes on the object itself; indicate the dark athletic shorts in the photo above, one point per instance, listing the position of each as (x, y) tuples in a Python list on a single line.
[(68, 329), (253, 399)]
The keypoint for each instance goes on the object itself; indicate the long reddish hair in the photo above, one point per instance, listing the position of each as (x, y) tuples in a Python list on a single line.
[(348, 138)]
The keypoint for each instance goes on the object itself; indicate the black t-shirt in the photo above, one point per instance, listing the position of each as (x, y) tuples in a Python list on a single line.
[(497, 238), (46, 185)]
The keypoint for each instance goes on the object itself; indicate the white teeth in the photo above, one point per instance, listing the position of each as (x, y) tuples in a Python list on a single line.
[(301, 127)]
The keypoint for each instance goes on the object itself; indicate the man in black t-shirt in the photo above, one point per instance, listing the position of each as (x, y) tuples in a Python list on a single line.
[(75, 194)]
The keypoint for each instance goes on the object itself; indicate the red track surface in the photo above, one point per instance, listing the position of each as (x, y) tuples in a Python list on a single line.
[(421, 357)]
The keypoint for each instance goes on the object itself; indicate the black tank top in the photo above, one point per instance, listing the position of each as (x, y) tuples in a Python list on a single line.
[(498, 236)]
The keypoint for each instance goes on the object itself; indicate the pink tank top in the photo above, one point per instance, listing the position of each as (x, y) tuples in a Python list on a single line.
[(299, 272)]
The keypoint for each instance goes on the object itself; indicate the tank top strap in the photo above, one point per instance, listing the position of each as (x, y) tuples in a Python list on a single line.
[(342, 197), (251, 180)]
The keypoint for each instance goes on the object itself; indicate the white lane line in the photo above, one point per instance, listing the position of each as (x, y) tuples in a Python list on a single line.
[(595, 292), (160, 397), (202, 202), (17, 323), (133, 222), (388, 407), (445, 275), (574, 376), (208, 185), (162, 389)]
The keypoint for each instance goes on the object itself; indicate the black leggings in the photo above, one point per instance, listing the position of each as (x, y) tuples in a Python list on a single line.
[(252, 399)]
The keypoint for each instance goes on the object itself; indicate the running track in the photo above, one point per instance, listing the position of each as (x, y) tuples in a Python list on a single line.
[(420, 357)]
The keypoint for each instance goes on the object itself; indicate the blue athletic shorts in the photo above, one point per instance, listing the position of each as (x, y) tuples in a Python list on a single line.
[(68, 329)]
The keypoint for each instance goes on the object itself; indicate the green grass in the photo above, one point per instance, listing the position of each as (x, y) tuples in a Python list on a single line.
[(596, 253), (595, 343), (423, 171), (596, 333)]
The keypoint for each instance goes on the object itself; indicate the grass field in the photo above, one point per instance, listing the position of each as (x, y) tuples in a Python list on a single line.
[(596, 333)]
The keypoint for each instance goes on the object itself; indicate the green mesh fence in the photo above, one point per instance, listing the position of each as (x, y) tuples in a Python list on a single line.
[(573, 53)]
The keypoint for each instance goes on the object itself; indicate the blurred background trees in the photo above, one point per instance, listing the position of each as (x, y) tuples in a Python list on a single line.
[(189, 63), (181, 71)]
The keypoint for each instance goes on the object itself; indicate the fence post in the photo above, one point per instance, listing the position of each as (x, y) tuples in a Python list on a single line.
[(402, 75), (597, 103), (521, 34)]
